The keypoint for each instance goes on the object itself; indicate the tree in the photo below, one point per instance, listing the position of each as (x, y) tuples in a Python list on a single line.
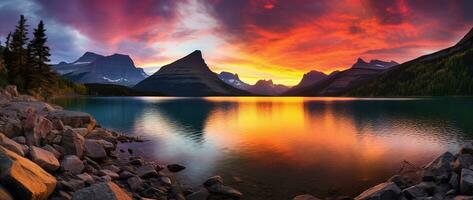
[(41, 76), (18, 59)]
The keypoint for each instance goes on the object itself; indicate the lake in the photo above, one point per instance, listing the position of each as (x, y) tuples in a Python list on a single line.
[(279, 147)]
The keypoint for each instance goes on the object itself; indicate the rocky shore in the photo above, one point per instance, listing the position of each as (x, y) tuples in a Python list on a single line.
[(47, 152)]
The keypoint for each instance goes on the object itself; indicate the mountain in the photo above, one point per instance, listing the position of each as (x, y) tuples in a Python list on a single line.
[(340, 82), (446, 72), (94, 68), (233, 80), (188, 76), (266, 87), (310, 78)]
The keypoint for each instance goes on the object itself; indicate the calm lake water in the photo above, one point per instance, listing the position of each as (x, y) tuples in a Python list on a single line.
[(276, 148)]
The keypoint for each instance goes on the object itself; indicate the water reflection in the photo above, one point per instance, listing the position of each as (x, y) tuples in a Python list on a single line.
[(281, 147)]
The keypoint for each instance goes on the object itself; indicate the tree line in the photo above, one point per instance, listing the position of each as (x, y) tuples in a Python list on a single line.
[(25, 63)]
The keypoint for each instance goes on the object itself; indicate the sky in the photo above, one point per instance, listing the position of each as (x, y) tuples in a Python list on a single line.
[(258, 39)]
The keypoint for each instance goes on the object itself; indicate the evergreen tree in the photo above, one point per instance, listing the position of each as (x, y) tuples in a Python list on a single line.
[(41, 76), (18, 58)]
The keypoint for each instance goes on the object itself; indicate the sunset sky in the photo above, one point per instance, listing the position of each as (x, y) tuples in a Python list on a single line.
[(260, 39)]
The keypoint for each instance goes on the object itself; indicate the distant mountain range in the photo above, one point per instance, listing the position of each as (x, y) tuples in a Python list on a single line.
[(339, 82), (188, 76), (446, 72), (261, 87), (94, 68)]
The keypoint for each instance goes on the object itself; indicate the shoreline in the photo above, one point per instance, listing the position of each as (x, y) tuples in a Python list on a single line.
[(69, 150)]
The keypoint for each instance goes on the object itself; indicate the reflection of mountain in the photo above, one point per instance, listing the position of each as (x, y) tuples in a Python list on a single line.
[(188, 114)]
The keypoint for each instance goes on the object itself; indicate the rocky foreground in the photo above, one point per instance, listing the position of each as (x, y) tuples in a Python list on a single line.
[(50, 153), (447, 177)]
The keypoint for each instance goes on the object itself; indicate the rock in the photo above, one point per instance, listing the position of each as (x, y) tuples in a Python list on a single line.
[(175, 167), (11, 145), (305, 197), (51, 149), (73, 118), (454, 181), (463, 198), (137, 161), (73, 184), (125, 175), (11, 90), (106, 172), (81, 131), (12, 128), (86, 178), (415, 191), (44, 127), (176, 192), (20, 139), (463, 161), (72, 143), (44, 159), (466, 182), (94, 149), (398, 180), (386, 190), (439, 169), (101, 191), (23, 178), (98, 134), (57, 124), (146, 171), (63, 195), (202, 194), (224, 190), (4, 194), (165, 180), (213, 180), (72, 164), (135, 183)]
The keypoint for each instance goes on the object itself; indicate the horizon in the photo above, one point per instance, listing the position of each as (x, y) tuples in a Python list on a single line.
[(264, 44)]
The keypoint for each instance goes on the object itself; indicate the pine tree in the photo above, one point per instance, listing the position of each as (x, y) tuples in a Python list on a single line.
[(18, 59), (41, 76)]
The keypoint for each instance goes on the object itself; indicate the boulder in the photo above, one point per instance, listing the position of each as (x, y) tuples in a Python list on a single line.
[(135, 183), (12, 128), (454, 181), (202, 194), (20, 139), (44, 127), (466, 182), (415, 191), (94, 149), (73, 184), (73, 143), (72, 164), (23, 178), (73, 119), (87, 178), (44, 159), (305, 197), (4, 194), (51, 149), (165, 180), (106, 172), (126, 174), (112, 168), (11, 145), (81, 131), (224, 190), (146, 171), (101, 191), (466, 148), (175, 167), (463, 161), (139, 161), (382, 191), (57, 124), (440, 168), (213, 180)]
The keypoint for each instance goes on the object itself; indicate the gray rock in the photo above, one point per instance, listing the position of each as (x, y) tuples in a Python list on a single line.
[(224, 190), (440, 168), (383, 191), (463, 161), (73, 184), (51, 149), (175, 167), (72, 164), (398, 180), (20, 139), (202, 194), (12, 128), (23, 178), (94, 149), (135, 183), (146, 171), (454, 181), (466, 182), (72, 143), (137, 161), (101, 191), (112, 168), (165, 180), (11, 145), (125, 175), (415, 191), (213, 180), (44, 159), (73, 119), (106, 172), (305, 197), (81, 131), (87, 178)]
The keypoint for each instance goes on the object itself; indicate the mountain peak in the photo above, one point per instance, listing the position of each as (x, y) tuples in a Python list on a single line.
[(361, 61), (88, 57)]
